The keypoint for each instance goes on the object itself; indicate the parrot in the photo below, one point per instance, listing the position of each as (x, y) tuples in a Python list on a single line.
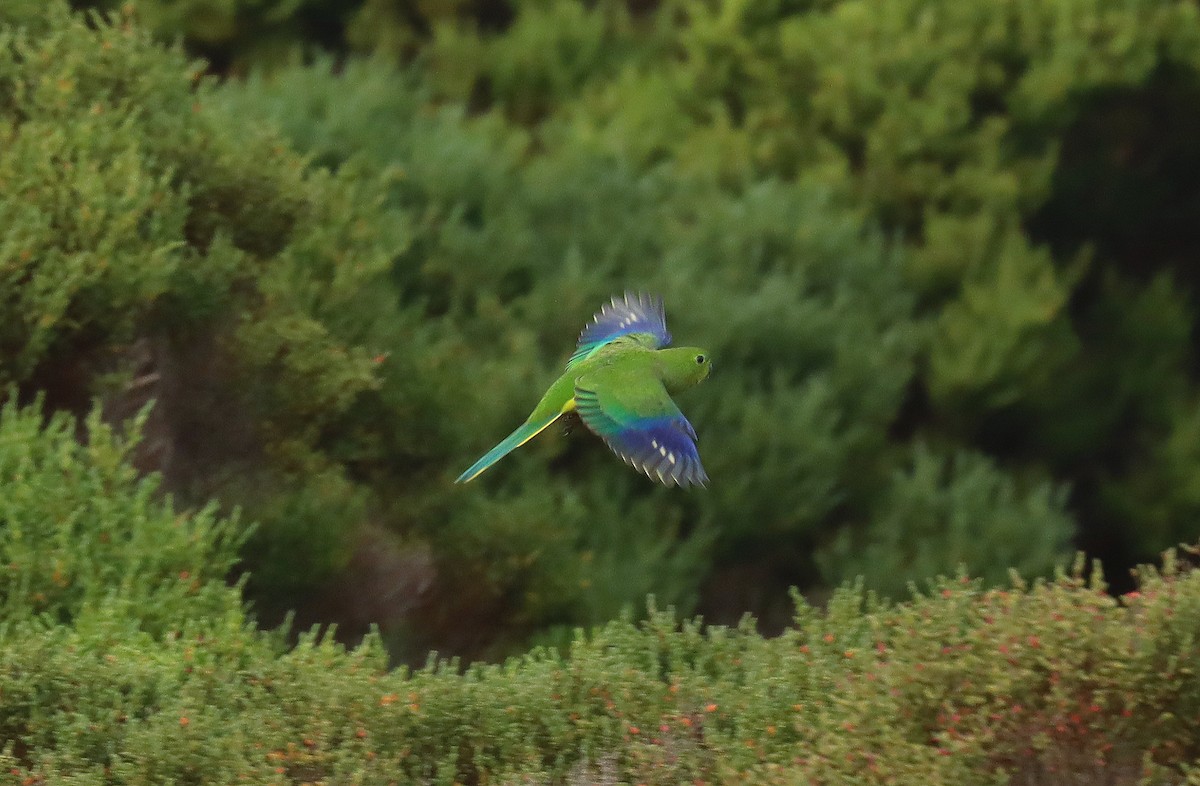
[(619, 382)]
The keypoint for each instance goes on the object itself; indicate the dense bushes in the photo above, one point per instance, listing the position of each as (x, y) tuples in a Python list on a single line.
[(1059, 342), (807, 310), (1027, 346), (877, 215), (157, 677), (154, 251), (78, 529), (861, 210)]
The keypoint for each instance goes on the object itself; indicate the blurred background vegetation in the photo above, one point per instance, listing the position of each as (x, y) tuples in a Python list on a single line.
[(943, 253)]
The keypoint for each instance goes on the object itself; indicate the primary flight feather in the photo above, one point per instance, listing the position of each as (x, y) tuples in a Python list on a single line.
[(619, 382)]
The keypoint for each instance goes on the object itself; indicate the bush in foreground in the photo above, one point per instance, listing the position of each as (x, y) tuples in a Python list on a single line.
[(160, 677), (1055, 681)]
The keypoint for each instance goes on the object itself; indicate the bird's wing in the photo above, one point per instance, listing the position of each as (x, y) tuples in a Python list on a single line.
[(638, 316), (634, 415)]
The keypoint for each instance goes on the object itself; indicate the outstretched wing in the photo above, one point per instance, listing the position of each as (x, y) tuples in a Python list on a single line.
[(635, 417), (639, 315)]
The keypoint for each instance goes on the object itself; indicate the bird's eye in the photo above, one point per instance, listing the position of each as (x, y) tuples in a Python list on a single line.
[(700, 359)]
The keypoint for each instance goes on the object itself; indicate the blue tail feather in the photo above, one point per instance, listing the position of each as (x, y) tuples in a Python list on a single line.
[(525, 432)]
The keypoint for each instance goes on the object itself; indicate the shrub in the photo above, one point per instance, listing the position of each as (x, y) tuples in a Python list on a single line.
[(124, 658), (865, 212), (804, 305), (155, 250), (943, 512), (1050, 681), (78, 527), (1031, 159)]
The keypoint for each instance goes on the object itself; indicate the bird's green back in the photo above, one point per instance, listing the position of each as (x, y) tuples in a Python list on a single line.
[(678, 368)]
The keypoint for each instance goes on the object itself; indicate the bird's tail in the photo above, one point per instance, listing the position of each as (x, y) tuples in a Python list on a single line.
[(525, 432)]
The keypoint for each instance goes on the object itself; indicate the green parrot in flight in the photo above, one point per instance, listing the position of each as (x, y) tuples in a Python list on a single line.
[(619, 382)]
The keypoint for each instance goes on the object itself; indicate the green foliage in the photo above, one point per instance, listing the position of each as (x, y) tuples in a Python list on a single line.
[(812, 326), (124, 200), (78, 528), (812, 329), (878, 215), (135, 217), (983, 134), (81, 197), (1027, 683), (944, 122), (978, 133), (124, 658), (875, 213), (940, 514), (869, 211)]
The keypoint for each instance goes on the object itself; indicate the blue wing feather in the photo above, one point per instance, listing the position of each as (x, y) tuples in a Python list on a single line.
[(662, 446), (632, 313)]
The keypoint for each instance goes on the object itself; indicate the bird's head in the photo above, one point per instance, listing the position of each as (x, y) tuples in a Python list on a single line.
[(685, 366)]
